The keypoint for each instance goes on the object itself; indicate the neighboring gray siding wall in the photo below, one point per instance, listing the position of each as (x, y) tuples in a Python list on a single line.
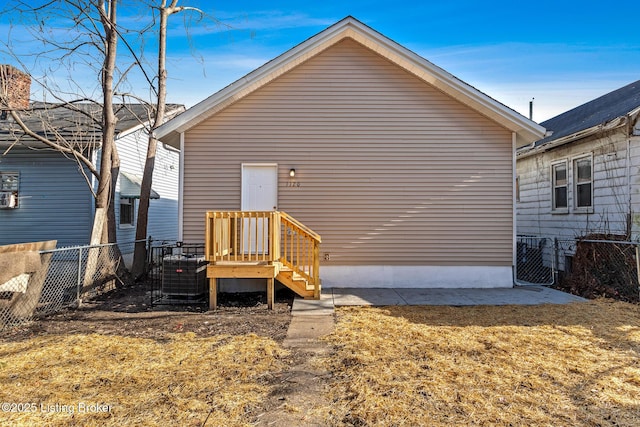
[(610, 189), (163, 212), (391, 170), (55, 201)]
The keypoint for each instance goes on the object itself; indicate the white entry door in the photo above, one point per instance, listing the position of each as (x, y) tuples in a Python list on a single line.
[(259, 193)]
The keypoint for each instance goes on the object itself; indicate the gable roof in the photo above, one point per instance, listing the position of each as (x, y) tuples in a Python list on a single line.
[(77, 125), (606, 112), (527, 131)]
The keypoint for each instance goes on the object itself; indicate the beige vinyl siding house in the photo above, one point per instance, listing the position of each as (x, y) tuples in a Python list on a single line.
[(408, 185)]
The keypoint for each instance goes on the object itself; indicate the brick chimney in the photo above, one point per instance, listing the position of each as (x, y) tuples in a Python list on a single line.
[(15, 88)]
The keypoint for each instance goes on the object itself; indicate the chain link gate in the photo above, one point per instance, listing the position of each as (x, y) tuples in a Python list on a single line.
[(535, 261)]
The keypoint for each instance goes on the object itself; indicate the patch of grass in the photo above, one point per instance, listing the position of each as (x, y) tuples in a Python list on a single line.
[(569, 365), (182, 380)]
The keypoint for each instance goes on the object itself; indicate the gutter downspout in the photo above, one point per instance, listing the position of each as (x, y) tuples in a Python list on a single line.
[(181, 190), (514, 243), (628, 172)]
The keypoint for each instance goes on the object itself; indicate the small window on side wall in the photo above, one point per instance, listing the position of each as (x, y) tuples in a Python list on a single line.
[(127, 210), (583, 171), (9, 184), (559, 180)]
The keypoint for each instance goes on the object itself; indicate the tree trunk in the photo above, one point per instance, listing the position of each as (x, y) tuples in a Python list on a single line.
[(140, 254), (105, 185)]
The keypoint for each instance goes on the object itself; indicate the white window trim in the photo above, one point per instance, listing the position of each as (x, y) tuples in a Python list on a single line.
[(133, 214), (574, 183), (555, 210), (9, 187)]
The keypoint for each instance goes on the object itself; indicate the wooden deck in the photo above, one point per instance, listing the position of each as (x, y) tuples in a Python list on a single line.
[(254, 245)]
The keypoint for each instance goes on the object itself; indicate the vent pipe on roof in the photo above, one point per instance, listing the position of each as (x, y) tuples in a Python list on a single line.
[(531, 109)]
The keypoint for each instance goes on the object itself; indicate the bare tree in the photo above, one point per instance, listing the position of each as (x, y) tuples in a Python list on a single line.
[(92, 32), (164, 12), (91, 27), (89, 37)]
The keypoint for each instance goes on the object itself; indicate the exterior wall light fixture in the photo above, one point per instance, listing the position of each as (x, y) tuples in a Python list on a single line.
[(292, 172)]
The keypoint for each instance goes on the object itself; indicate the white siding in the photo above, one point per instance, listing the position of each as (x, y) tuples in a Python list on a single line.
[(163, 212), (610, 189), (634, 173), (390, 170)]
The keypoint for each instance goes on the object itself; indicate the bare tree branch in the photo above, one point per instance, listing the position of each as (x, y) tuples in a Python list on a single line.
[(85, 161)]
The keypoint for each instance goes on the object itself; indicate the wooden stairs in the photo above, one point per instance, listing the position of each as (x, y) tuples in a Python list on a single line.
[(297, 283), (269, 245)]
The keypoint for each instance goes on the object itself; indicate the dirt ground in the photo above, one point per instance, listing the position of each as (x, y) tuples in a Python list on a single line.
[(130, 312)]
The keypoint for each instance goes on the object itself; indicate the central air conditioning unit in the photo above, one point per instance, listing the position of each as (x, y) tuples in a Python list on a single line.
[(184, 275)]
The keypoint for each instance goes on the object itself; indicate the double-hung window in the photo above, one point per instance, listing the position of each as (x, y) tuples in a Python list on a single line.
[(127, 211), (559, 178), (583, 183)]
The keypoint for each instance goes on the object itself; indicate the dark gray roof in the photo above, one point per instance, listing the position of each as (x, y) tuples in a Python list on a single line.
[(599, 111), (77, 124)]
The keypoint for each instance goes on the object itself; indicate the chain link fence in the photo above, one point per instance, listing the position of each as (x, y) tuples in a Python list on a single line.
[(66, 277), (600, 268), (591, 267)]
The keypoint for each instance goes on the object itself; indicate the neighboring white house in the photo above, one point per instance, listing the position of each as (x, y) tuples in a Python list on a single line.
[(405, 171), (584, 178), (45, 194)]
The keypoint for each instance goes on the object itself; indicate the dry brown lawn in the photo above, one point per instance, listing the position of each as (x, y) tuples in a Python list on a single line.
[(552, 365), (181, 381)]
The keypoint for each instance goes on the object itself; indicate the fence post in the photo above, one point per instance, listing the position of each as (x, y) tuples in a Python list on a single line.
[(556, 261), (638, 266), (79, 280), (149, 256)]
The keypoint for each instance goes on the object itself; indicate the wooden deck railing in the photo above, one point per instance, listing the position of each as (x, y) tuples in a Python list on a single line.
[(241, 236), (264, 237)]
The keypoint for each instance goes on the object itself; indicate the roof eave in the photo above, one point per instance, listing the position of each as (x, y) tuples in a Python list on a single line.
[(584, 133), (527, 130)]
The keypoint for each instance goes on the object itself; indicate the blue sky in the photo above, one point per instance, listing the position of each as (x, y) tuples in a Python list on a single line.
[(562, 53)]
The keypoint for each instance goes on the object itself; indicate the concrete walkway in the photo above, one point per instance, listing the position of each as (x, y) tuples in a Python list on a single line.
[(312, 319), (520, 295)]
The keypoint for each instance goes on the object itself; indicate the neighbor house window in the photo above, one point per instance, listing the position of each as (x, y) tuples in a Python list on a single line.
[(9, 189), (9, 181), (127, 209), (583, 182), (559, 183), (517, 189)]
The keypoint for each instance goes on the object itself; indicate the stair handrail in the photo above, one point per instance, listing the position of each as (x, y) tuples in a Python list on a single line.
[(301, 226), (314, 240)]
